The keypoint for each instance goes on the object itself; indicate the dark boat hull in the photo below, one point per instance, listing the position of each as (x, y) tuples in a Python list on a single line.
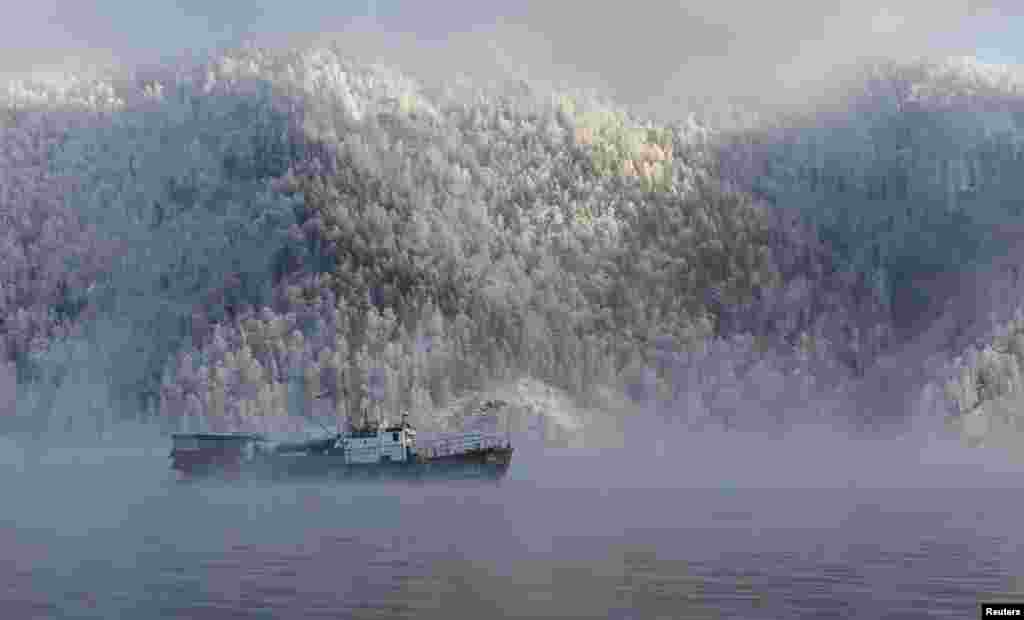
[(486, 464)]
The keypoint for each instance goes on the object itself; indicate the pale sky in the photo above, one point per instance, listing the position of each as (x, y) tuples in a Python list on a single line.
[(640, 52)]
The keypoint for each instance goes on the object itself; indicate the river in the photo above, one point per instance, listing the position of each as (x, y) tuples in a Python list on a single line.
[(113, 536)]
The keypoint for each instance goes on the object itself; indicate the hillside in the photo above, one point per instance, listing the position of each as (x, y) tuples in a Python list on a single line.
[(271, 237), (915, 179), (907, 179)]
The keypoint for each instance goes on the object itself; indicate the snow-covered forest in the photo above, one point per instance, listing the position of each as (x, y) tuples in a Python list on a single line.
[(269, 237)]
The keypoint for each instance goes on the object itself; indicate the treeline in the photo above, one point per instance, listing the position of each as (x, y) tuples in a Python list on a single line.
[(285, 233), (905, 175), (520, 230), (539, 239), (914, 179)]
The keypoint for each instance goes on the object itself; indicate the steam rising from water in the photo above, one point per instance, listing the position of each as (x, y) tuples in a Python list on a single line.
[(133, 463), (117, 532), (108, 520)]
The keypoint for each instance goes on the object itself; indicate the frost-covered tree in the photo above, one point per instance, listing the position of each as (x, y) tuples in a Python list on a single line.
[(287, 235)]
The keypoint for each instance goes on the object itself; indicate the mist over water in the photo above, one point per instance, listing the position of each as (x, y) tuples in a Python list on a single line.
[(718, 525)]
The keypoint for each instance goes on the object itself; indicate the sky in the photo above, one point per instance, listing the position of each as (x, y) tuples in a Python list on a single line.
[(641, 53)]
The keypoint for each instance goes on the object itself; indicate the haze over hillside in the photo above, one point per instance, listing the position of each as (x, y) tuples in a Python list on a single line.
[(272, 236)]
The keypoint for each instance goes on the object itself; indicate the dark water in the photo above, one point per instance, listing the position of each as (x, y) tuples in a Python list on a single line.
[(117, 539)]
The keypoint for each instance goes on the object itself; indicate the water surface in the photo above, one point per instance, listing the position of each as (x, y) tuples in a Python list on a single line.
[(116, 537)]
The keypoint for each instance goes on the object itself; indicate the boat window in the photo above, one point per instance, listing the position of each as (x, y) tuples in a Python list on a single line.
[(394, 436)]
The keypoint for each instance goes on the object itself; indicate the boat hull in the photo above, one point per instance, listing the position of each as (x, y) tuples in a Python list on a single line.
[(485, 464)]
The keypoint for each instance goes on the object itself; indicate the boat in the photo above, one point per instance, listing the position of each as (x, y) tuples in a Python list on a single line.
[(376, 451)]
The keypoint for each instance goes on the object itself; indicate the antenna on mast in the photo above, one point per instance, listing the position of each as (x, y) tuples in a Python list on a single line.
[(315, 419), (508, 429)]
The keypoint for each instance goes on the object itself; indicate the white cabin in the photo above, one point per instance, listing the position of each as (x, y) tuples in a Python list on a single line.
[(395, 444)]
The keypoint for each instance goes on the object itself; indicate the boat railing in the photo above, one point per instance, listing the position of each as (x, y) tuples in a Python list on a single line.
[(468, 442)]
